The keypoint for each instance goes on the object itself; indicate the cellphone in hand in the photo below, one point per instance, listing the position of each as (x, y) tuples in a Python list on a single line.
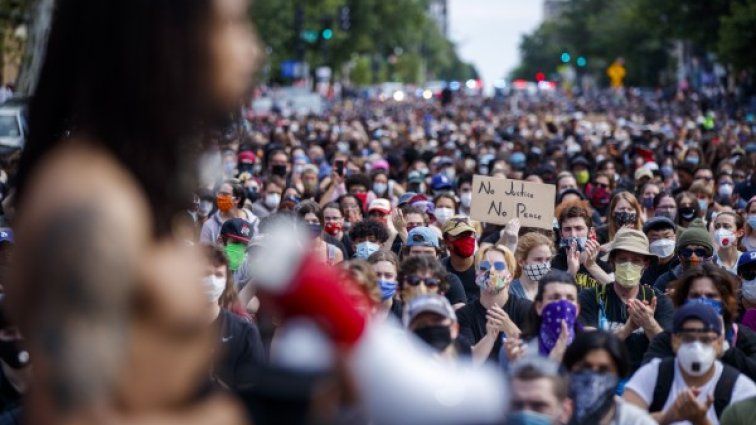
[(340, 167), (279, 170)]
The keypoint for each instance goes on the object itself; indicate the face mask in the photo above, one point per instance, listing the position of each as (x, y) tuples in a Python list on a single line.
[(600, 197), (622, 218), (13, 354), (364, 250), (696, 358), (751, 221), (235, 253), (692, 160), (536, 272), (491, 283), (214, 287), (332, 228), (229, 168), (517, 159), (715, 304), (551, 324), (667, 171), (628, 274), (438, 337), (648, 203), (528, 417), (703, 204), (748, 289), (724, 238), (687, 213), (297, 169), (224, 203), (388, 289), (567, 242), (204, 208), (443, 214), (725, 190), (379, 188), (450, 173), (464, 247), (315, 230), (582, 177), (593, 395), (465, 199), (662, 248), (666, 213), (272, 200)]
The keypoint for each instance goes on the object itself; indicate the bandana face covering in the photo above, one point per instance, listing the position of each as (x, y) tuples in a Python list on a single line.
[(593, 395), (551, 324), (536, 272)]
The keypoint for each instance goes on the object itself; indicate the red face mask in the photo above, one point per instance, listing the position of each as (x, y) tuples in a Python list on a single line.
[(464, 247), (332, 228)]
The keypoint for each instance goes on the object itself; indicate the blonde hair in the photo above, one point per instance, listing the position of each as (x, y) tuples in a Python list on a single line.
[(701, 187), (509, 258), (362, 274), (526, 243)]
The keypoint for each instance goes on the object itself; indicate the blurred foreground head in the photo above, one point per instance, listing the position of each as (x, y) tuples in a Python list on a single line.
[(111, 306)]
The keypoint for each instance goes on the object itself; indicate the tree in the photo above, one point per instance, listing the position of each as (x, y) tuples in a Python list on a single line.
[(737, 36)]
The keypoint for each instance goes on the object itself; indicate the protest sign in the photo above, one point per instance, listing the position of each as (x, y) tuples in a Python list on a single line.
[(498, 200)]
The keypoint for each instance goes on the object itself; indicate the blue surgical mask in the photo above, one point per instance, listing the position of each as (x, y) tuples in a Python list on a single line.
[(715, 304), (528, 417), (388, 289), (364, 250), (751, 221), (703, 204)]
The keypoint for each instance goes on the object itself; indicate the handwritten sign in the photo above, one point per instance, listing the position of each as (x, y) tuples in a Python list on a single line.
[(498, 200)]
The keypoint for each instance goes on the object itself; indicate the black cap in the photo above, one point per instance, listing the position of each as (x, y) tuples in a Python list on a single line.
[(698, 311), (658, 223), (237, 229)]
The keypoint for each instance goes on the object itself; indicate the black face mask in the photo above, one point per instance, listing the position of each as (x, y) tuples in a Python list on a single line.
[(623, 218), (438, 337), (252, 194), (687, 213), (13, 354)]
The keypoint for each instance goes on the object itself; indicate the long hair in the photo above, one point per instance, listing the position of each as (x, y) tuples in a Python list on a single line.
[(132, 78), (633, 201), (533, 324), (726, 284), (586, 342)]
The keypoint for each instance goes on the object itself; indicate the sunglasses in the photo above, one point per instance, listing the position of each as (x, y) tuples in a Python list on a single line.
[(687, 252), (485, 265), (415, 280)]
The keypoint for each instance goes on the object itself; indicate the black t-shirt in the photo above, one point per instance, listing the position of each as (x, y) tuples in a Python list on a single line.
[(456, 293), (655, 270), (9, 398), (602, 233), (337, 243), (467, 277), (583, 278), (472, 321), (616, 315), (241, 351)]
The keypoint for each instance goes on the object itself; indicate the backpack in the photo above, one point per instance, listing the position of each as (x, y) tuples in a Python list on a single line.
[(722, 391)]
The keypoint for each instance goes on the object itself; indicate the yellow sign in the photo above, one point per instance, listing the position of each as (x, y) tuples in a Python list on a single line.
[(498, 200)]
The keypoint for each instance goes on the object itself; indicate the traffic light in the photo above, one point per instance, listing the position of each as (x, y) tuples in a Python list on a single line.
[(345, 18), (326, 28), (565, 57), (327, 34), (581, 62), (540, 76)]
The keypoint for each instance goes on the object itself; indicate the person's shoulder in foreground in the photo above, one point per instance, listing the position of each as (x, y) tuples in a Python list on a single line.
[(740, 413)]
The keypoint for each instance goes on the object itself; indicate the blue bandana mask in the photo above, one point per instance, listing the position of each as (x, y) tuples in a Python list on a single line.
[(551, 324), (528, 417), (593, 395)]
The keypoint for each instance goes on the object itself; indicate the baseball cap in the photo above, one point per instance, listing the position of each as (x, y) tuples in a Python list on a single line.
[(457, 225), (658, 223), (643, 172), (415, 177), (247, 157), (422, 236), (405, 199), (237, 229), (699, 311), (445, 161), (433, 303), (746, 259), (380, 204), (6, 235), (440, 182)]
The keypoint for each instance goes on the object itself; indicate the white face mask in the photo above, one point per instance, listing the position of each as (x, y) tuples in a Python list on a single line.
[(696, 358), (748, 290), (662, 248), (465, 199), (214, 287), (724, 238), (379, 188), (725, 190), (272, 200), (443, 214)]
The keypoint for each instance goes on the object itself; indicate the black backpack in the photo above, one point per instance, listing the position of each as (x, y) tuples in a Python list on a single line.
[(722, 392)]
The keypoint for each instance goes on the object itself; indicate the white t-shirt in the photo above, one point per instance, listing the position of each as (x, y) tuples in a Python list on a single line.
[(644, 381)]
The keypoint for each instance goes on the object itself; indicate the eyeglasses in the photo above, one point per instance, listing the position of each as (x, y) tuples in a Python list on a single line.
[(485, 265), (687, 252), (415, 280)]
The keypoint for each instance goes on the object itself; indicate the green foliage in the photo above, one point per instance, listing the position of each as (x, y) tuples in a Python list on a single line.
[(737, 36), (378, 29)]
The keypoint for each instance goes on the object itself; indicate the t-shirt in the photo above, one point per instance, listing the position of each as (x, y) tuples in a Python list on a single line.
[(629, 414), (472, 321), (652, 273), (241, 351), (616, 315), (466, 277), (583, 278), (665, 279), (456, 293), (643, 383), (740, 413)]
